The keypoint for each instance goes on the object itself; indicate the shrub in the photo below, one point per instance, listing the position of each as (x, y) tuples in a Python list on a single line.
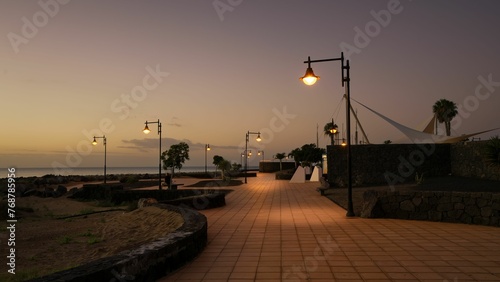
[(493, 151)]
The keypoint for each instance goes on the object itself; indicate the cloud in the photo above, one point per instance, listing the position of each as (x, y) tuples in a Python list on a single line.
[(146, 144)]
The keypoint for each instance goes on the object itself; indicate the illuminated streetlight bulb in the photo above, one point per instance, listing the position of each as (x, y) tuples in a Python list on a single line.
[(94, 142), (146, 129), (208, 147), (258, 138), (309, 78)]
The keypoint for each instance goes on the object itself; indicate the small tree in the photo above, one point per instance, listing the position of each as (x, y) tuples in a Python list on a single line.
[(280, 157), (223, 165), (308, 153), (217, 160), (175, 156), (236, 167)]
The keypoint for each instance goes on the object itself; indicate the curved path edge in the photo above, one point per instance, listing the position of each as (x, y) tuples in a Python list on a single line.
[(148, 262)]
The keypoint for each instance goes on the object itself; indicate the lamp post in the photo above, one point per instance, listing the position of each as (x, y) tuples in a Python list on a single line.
[(207, 148), (146, 131), (246, 149), (309, 79), (333, 131), (104, 143), (261, 153)]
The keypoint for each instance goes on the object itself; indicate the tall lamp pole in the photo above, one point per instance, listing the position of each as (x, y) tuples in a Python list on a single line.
[(309, 79), (207, 148), (246, 149), (146, 131), (104, 143)]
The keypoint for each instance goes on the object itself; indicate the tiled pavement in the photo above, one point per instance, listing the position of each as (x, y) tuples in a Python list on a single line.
[(272, 230)]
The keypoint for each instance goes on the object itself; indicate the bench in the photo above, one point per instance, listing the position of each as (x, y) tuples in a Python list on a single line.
[(322, 190), (324, 186)]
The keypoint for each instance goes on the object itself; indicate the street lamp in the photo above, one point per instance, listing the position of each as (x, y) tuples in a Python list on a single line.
[(146, 131), (261, 153), (207, 148), (104, 143), (309, 79), (258, 139), (334, 131)]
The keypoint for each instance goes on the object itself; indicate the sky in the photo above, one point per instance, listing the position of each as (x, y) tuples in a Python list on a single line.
[(211, 71)]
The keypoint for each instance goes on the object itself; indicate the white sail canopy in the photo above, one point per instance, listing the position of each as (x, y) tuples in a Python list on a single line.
[(426, 136)]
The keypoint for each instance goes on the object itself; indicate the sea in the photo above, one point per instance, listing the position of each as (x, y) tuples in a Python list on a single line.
[(41, 171)]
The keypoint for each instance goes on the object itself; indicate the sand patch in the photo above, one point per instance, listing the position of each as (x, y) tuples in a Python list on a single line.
[(45, 244)]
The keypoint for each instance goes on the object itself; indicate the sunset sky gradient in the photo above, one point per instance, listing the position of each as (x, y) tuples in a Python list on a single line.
[(213, 70)]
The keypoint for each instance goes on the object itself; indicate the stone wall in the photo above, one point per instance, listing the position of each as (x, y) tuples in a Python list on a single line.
[(387, 164), (467, 159), (275, 166), (464, 207)]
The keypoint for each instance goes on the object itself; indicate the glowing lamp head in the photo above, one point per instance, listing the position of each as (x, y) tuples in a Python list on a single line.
[(343, 142), (258, 138), (309, 78), (146, 129), (94, 142), (208, 147)]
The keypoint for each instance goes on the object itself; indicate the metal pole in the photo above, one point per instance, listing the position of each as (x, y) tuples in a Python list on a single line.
[(104, 137), (350, 209), (246, 156), (159, 164), (205, 158)]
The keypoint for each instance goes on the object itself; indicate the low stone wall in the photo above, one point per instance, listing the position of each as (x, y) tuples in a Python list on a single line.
[(148, 262), (465, 207), (275, 166)]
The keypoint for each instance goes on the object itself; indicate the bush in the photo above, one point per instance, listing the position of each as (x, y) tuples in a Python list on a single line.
[(129, 179), (493, 151), (285, 174)]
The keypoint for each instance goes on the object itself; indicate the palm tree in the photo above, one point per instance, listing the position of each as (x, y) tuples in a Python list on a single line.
[(330, 129), (445, 111), (280, 156)]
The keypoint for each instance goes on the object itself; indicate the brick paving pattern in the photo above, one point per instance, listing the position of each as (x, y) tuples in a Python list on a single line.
[(271, 230)]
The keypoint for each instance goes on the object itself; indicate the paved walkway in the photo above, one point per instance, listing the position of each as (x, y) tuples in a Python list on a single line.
[(276, 231)]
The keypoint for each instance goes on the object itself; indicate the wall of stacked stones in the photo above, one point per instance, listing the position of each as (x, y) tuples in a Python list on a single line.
[(275, 166), (387, 164), (464, 207)]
